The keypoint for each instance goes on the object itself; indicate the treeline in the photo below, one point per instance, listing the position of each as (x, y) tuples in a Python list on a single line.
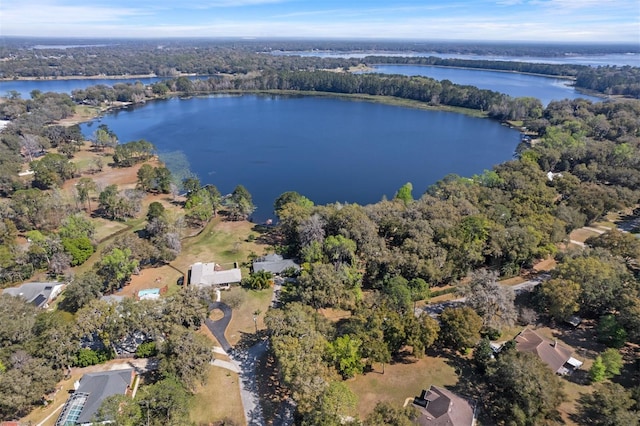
[(422, 89), (623, 81), (523, 67), (162, 59), (609, 80)]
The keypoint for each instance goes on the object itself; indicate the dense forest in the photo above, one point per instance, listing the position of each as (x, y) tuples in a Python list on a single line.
[(172, 58), (581, 161)]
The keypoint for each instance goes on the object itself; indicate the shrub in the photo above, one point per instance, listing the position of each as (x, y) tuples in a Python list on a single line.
[(146, 350), (86, 357)]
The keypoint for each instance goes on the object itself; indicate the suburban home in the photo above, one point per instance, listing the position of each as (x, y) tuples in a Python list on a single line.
[(38, 294), (212, 275), (274, 263), (91, 391), (557, 357), (439, 407)]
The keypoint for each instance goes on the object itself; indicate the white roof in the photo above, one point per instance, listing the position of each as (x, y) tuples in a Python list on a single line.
[(205, 274)]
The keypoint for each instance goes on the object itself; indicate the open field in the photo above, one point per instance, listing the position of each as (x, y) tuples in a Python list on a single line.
[(219, 399), (400, 381)]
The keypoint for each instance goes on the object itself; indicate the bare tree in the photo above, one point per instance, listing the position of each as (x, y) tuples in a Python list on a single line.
[(493, 302)]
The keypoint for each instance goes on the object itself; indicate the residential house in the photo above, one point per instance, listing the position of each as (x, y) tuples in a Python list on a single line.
[(92, 389), (38, 294), (212, 274), (556, 356), (440, 407), (274, 263)]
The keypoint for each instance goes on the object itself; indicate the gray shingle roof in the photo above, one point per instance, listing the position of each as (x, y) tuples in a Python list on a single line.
[(274, 263), (37, 293), (99, 386)]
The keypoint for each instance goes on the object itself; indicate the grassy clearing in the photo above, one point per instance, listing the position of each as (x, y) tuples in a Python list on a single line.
[(582, 234), (242, 325), (218, 399), (400, 381)]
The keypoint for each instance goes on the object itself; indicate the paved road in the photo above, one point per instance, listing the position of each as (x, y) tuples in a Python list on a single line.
[(436, 309), (242, 361), (218, 327)]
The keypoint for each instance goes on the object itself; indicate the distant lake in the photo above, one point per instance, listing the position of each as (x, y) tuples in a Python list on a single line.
[(617, 59), (517, 85), (328, 149), (24, 87)]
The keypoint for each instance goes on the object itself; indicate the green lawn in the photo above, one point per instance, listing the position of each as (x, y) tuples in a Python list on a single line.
[(400, 381)]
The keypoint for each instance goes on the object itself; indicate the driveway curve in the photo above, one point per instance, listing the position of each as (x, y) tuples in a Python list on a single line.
[(218, 327)]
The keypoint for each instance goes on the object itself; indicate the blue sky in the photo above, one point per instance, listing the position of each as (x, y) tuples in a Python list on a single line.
[(529, 20)]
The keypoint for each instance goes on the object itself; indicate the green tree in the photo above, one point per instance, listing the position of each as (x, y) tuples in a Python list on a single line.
[(79, 248), (460, 328), (561, 297), (598, 371), (116, 268), (84, 187), (186, 355), (259, 280), (609, 405), (344, 353), (121, 410), (523, 390), (385, 414), (336, 403), (165, 402), (483, 355), (156, 210), (240, 204), (83, 289), (340, 249), (613, 362), (52, 170), (421, 332), (610, 332), (404, 193)]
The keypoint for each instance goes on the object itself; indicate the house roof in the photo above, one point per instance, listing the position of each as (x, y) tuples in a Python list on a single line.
[(274, 263), (209, 274), (440, 407), (82, 406), (36, 293), (551, 353)]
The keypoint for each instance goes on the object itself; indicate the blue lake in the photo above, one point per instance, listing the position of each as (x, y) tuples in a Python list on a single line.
[(328, 149), (516, 85)]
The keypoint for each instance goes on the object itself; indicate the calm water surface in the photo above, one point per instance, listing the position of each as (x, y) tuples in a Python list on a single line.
[(516, 85), (327, 149)]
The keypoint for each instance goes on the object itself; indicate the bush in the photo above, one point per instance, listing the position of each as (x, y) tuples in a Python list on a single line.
[(146, 350), (86, 357), (79, 248)]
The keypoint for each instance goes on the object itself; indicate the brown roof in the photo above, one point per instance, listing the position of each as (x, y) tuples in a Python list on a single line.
[(551, 353), (445, 408)]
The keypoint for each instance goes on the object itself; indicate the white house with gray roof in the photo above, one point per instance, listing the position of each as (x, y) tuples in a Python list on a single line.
[(211, 274), (38, 294), (274, 263), (92, 389)]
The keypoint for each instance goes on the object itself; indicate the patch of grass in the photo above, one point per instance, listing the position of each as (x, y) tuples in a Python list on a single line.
[(105, 228), (218, 399), (38, 415), (400, 381), (242, 325), (582, 234)]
